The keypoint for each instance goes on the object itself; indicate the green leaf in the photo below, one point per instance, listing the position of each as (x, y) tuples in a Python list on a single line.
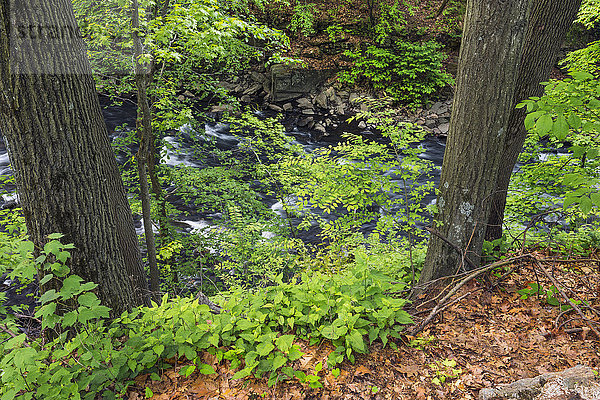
[(355, 339), (158, 349), (264, 348), (285, 342), (187, 370), (531, 118), (149, 392), (585, 204), (48, 296), (279, 361), (69, 318), (206, 369), (560, 129), (544, 124), (402, 317), (46, 279), (319, 366), (88, 299), (52, 247), (574, 121), (595, 197)]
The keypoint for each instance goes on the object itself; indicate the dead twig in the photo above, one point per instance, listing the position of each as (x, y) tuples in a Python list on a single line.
[(565, 297), (6, 329), (455, 247), (458, 275), (442, 304)]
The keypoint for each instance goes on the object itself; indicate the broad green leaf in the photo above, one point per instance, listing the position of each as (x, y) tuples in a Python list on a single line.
[(544, 124), (52, 247), (279, 361), (285, 342), (264, 348), (585, 204), (595, 197), (574, 121), (88, 299), (206, 369), (560, 129), (187, 370), (48, 296), (46, 279), (355, 339), (158, 349)]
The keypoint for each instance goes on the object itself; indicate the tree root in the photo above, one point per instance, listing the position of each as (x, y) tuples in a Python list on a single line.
[(450, 291)]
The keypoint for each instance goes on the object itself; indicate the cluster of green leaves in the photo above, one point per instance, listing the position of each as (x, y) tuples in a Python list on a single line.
[(303, 20), (257, 332), (589, 13), (410, 73), (567, 114), (444, 370), (15, 260), (36, 368), (336, 32), (535, 289), (391, 21), (586, 59), (344, 308)]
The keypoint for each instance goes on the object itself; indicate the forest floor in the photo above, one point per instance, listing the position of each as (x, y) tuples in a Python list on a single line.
[(495, 334), (491, 336)]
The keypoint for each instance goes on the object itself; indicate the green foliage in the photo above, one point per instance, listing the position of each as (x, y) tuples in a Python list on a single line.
[(589, 13), (336, 32), (303, 20), (16, 261), (391, 21), (567, 114), (586, 59), (342, 308), (533, 288), (256, 331), (444, 370), (410, 72)]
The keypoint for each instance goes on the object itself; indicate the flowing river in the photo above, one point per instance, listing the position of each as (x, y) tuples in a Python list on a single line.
[(179, 153)]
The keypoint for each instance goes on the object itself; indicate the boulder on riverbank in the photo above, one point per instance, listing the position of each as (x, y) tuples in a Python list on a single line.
[(577, 383), (317, 102)]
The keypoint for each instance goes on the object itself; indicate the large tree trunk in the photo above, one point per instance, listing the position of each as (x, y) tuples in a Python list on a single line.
[(549, 22), (66, 172), (487, 75)]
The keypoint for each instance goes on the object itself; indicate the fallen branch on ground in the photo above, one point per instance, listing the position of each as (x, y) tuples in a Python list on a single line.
[(441, 306), (566, 298)]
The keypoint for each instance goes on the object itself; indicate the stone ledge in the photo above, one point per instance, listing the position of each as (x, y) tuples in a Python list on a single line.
[(577, 383)]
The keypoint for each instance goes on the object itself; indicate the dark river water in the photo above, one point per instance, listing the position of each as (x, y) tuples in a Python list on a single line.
[(180, 154)]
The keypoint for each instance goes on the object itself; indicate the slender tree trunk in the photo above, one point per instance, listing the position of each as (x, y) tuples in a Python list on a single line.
[(487, 76), (67, 176), (144, 126), (549, 22)]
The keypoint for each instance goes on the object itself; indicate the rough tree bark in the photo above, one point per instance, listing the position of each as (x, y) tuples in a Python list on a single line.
[(67, 176), (487, 75), (548, 25)]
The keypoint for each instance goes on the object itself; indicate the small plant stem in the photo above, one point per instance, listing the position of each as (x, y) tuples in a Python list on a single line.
[(410, 242), (565, 297)]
